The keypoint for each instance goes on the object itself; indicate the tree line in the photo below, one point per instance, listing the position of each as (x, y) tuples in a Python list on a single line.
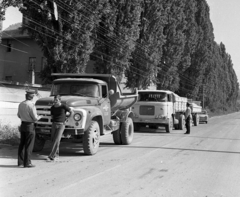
[(169, 43)]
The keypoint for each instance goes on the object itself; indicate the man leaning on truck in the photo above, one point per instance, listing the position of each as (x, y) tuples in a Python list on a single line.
[(188, 118), (58, 113)]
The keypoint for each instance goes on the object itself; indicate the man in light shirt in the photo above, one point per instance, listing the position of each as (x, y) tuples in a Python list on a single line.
[(188, 115), (28, 114)]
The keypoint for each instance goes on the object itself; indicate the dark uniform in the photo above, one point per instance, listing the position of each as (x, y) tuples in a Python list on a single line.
[(28, 114), (188, 118)]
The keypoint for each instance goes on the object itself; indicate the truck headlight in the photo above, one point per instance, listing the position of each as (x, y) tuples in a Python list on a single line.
[(77, 117)]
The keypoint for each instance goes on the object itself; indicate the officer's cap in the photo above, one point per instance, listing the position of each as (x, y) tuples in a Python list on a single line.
[(30, 92)]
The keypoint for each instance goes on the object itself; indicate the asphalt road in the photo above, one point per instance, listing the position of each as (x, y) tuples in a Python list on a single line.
[(205, 163)]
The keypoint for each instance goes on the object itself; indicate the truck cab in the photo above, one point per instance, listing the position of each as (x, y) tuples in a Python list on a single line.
[(154, 108), (161, 108)]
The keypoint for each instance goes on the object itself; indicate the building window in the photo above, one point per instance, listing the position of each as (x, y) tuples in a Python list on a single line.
[(8, 78), (32, 63)]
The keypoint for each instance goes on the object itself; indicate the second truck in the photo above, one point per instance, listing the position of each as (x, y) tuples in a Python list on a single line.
[(162, 108)]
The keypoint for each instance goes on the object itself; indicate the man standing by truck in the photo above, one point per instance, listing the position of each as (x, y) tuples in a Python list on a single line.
[(58, 113), (28, 115), (188, 118)]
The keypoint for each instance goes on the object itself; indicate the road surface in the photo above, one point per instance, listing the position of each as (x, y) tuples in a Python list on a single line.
[(205, 163)]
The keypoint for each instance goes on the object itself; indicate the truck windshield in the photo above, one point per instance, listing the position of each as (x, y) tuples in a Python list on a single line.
[(153, 96), (80, 89)]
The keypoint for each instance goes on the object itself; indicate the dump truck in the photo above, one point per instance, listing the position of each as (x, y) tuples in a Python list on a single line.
[(99, 108), (163, 108)]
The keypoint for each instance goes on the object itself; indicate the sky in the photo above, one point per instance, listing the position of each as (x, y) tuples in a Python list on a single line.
[(224, 15)]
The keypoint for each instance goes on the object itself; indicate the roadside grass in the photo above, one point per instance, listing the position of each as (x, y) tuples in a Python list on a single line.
[(9, 134)]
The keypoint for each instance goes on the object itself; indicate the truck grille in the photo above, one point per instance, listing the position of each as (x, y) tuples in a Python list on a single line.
[(45, 112), (147, 110)]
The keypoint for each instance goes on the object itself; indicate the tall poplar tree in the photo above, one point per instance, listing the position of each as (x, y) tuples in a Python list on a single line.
[(173, 48), (63, 29), (148, 51), (116, 37)]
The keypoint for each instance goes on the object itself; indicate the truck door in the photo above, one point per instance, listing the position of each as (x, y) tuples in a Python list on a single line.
[(170, 105), (105, 106)]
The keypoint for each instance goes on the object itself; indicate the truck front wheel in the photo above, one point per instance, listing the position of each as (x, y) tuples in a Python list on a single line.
[(169, 126), (91, 139), (38, 143), (127, 131)]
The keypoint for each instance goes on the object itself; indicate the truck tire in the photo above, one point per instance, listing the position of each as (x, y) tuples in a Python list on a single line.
[(169, 126), (127, 131), (181, 122), (91, 139), (117, 137), (38, 143), (195, 120)]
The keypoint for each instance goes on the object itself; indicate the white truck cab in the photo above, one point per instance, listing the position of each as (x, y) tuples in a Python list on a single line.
[(159, 108)]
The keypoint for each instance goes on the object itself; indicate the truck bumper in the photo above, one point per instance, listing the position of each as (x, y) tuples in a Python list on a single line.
[(151, 121), (67, 132)]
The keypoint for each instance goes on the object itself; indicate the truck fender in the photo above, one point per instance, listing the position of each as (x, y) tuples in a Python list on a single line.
[(94, 114), (124, 114)]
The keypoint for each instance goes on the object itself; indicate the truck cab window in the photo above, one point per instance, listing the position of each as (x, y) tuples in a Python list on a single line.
[(104, 91), (169, 96)]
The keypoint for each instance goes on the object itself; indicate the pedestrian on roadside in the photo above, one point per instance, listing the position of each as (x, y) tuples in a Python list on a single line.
[(188, 118), (28, 114), (58, 113)]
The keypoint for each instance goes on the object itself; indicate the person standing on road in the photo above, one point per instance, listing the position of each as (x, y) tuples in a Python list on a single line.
[(28, 114), (188, 118), (58, 113)]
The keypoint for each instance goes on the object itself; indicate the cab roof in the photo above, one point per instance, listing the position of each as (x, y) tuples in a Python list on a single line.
[(108, 78), (161, 91), (79, 80)]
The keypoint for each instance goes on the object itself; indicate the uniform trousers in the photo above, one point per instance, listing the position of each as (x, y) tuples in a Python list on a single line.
[(188, 124), (25, 147)]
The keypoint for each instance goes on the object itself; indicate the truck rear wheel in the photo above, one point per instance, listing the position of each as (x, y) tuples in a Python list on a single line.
[(117, 137), (127, 131), (181, 122), (195, 120), (91, 139), (38, 143)]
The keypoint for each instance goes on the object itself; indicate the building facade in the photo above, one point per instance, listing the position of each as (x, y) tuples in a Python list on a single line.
[(21, 59)]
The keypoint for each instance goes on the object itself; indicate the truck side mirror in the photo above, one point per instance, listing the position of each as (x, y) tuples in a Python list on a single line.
[(111, 92)]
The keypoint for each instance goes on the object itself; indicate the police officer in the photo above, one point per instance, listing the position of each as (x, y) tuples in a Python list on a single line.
[(188, 114), (28, 114)]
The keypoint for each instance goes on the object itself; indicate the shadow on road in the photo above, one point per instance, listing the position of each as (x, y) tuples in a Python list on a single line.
[(109, 144)]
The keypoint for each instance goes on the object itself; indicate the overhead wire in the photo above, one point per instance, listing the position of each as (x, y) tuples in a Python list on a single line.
[(180, 74), (104, 54)]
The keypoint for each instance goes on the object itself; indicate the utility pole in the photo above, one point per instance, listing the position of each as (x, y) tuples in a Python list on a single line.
[(203, 96)]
